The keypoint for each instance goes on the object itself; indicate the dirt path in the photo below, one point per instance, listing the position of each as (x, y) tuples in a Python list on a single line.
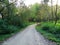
[(28, 37)]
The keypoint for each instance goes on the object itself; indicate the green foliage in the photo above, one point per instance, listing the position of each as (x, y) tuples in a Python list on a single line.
[(40, 12), (12, 29), (2, 27), (13, 18), (6, 29), (50, 31), (51, 27), (57, 28), (4, 37), (35, 12), (47, 26)]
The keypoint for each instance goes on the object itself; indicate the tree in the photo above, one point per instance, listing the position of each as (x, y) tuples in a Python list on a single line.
[(5, 5), (52, 10), (46, 9), (56, 12), (35, 12), (46, 1)]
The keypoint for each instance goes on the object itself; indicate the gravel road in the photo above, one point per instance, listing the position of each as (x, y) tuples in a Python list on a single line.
[(28, 37)]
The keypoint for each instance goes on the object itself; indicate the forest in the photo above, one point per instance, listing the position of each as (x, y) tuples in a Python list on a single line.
[(13, 18)]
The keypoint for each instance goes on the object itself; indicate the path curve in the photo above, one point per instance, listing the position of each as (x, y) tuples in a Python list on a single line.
[(27, 37)]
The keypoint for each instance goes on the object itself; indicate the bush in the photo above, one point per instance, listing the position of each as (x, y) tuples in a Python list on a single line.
[(2, 26), (44, 26), (51, 28), (47, 26), (11, 29), (57, 29), (3, 29), (50, 31), (6, 29)]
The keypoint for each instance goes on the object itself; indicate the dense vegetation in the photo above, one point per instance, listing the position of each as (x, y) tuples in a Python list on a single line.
[(49, 19), (13, 18), (50, 31)]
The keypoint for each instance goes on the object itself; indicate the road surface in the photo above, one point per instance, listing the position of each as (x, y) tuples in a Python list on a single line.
[(28, 37)]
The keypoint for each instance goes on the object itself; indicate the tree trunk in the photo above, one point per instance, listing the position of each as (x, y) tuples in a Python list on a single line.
[(52, 9), (56, 12)]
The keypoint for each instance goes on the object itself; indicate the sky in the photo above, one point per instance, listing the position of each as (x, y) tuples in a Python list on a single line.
[(29, 2)]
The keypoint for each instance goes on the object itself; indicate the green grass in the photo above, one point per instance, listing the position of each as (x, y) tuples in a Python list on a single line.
[(47, 34)]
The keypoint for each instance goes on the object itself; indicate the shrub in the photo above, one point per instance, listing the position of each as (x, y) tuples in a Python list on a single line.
[(50, 31), (57, 29), (44, 26), (6, 29), (11, 29), (3, 29), (47, 26), (2, 26), (50, 27)]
